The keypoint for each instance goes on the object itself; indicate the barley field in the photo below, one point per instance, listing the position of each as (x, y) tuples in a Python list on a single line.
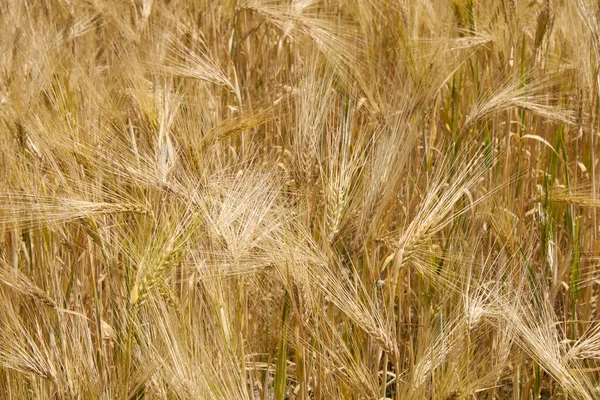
[(299, 199)]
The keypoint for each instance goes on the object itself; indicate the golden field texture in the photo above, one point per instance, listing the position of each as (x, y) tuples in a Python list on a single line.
[(299, 199)]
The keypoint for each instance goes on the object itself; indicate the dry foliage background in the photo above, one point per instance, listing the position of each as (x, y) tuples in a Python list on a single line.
[(324, 199)]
